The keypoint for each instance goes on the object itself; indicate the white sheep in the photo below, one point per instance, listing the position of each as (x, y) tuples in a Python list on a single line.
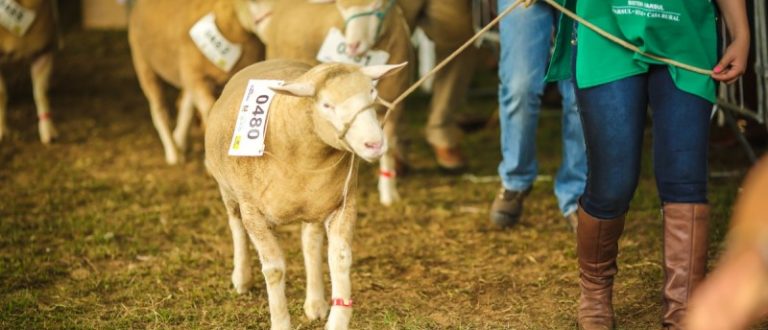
[(28, 32), (160, 35), (296, 29), (317, 122)]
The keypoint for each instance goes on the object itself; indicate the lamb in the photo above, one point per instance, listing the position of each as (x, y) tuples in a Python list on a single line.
[(317, 122), (295, 29), (28, 32), (163, 49)]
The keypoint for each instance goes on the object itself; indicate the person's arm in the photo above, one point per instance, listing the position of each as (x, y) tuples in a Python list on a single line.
[(734, 61)]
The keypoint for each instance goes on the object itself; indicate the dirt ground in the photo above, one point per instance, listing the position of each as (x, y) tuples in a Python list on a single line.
[(96, 231)]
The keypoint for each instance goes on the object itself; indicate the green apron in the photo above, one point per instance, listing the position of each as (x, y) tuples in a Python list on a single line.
[(682, 30)]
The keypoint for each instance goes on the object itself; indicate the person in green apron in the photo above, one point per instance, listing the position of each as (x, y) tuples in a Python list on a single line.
[(615, 86)]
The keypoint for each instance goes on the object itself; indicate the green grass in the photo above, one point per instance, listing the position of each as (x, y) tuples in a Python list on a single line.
[(97, 232)]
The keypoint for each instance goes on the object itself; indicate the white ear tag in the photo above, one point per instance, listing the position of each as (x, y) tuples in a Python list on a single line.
[(251, 125), (334, 50), (15, 18), (209, 40)]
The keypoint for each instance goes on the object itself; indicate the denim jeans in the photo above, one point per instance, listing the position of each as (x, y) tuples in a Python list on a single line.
[(614, 117), (526, 39)]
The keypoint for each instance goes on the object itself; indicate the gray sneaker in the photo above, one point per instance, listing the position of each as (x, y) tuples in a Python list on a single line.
[(507, 207)]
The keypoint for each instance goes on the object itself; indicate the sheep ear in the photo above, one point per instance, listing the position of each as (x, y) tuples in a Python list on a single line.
[(321, 1), (295, 89), (379, 71)]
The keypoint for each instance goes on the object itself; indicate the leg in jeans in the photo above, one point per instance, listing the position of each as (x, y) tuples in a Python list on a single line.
[(681, 134), (572, 175), (613, 116), (525, 43)]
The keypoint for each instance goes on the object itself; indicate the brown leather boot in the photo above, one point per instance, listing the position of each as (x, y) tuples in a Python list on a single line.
[(597, 247), (685, 257)]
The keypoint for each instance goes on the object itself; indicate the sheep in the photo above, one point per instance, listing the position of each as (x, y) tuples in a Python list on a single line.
[(318, 120), (296, 29), (162, 49), (28, 32), (449, 24)]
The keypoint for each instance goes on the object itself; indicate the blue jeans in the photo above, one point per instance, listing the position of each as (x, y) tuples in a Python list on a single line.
[(614, 116), (526, 39)]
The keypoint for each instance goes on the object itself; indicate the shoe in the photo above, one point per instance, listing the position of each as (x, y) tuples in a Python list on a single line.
[(450, 159), (597, 245), (685, 257), (507, 207), (573, 220)]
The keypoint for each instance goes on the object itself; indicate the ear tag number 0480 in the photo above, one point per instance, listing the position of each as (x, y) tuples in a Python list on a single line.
[(251, 126)]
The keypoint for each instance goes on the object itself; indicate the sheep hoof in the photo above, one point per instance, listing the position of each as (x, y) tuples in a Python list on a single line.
[(174, 158), (281, 325), (388, 192), (242, 282), (339, 320), (388, 198), (180, 140), (316, 309), (47, 131)]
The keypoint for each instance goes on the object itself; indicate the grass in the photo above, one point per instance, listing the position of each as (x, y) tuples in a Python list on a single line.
[(97, 232)]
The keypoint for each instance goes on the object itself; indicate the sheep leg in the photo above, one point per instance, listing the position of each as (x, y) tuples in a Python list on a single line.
[(242, 278), (272, 266), (388, 194), (203, 99), (315, 305), (340, 230), (152, 89), (186, 107), (3, 108), (41, 76)]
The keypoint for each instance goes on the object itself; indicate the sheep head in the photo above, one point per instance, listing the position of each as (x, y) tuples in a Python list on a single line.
[(363, 20), (344, 96), (254, 15)]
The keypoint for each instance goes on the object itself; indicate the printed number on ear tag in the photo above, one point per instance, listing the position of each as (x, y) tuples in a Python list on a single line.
[(15, 18), (223, 53), (334, 49), (251, 125)]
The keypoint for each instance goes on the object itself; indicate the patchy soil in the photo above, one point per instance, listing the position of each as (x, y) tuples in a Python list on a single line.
[(96, 231)]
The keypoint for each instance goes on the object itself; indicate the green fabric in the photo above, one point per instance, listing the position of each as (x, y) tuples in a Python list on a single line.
[(682, 30)]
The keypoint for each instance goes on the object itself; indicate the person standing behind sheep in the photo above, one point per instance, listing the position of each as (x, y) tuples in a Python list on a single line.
[(615, 87), (448, 24), (526, 40), (28, 31)]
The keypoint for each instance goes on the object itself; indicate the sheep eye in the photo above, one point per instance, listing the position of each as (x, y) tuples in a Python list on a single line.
[(327, 106)]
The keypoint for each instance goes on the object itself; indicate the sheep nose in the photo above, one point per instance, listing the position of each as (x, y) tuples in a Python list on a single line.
[(376, 146), (353, 47)]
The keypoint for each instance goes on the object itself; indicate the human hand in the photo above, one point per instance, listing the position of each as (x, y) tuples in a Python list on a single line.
[(733, 63), (733, 296)]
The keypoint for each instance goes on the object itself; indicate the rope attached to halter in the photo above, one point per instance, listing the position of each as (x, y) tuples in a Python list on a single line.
[(378, 12)]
